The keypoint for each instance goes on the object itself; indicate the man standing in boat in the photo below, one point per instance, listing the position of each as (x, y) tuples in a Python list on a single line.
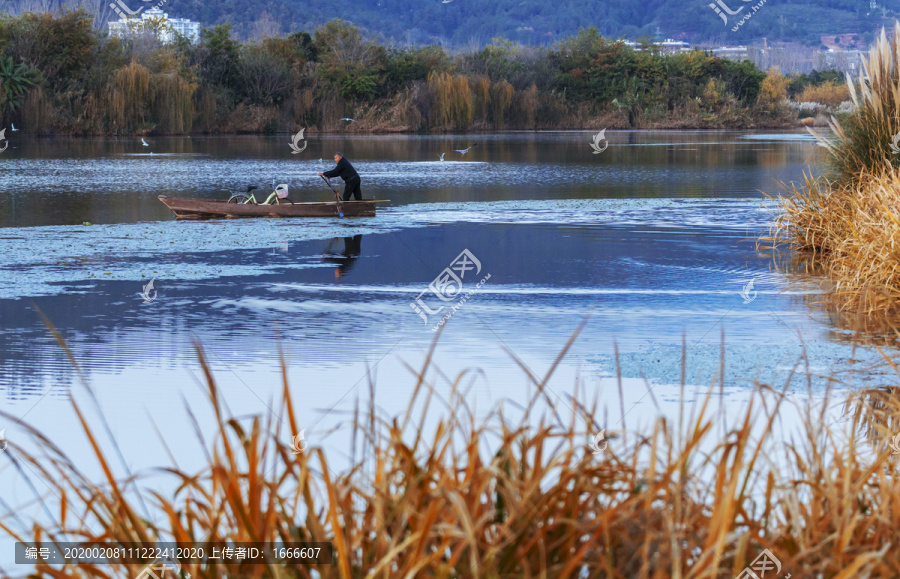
[(345, 171)]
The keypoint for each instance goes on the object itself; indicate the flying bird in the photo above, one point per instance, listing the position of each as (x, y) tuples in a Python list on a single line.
[(14, 127), (348, 120), (442, 156), (145, 143), (464, 151)]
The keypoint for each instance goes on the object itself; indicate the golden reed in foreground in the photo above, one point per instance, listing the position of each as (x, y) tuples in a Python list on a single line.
[(449, 494)]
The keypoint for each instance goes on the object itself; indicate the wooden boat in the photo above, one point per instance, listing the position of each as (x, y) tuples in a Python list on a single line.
[(185, 208)]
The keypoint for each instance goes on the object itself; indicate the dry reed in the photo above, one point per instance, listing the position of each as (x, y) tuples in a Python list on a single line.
[(863, 141), (851, 220), (425, 496), (853, 228)]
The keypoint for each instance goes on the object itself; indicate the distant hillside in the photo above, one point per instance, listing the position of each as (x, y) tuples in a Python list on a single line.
[(460, 22)]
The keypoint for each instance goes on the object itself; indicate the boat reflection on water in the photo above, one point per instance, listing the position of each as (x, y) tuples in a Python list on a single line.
[(345, 259)]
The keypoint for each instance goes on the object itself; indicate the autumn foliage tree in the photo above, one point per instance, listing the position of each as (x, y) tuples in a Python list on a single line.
[(828, 93), (773, 91)]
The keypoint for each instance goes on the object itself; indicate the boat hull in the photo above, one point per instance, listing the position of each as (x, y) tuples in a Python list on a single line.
[(185, 208)]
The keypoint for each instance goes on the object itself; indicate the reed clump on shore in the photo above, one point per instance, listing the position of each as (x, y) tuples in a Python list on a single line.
[(850, 219), (852, 227), (437, 491)]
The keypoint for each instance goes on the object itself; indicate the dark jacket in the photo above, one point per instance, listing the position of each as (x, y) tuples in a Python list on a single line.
[(344, 170)]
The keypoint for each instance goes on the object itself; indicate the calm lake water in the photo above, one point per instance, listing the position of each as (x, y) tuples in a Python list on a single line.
[(653, 240)]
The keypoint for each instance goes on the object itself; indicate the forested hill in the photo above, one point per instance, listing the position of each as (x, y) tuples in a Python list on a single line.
[(460, 22)]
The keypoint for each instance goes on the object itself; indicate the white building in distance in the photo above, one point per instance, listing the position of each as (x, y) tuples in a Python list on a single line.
[(156, 19), (732, 52), (667, 46)]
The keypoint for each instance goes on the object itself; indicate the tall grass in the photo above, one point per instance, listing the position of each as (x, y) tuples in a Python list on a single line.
[(863, 140), (463, 496), (851, 220), (853, 227)]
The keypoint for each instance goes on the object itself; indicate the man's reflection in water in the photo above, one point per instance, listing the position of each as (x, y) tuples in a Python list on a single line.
[(347, 257)]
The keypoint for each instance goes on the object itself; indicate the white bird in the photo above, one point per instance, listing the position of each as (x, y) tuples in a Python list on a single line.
[(348, 119), (145, 143), (14, 127), (442, 156), (464, 151)]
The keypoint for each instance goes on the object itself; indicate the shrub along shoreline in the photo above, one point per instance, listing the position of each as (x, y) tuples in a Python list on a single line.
[(60, 76)]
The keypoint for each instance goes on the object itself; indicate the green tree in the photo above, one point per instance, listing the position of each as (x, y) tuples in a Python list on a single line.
[(502, 59), (742, 79), (219, 62), (15, 80), (60, 47), (409, 65), (266, 76), (349, 64), (304, 45)]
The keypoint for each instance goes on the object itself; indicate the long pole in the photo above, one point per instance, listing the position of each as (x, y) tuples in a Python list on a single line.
[(336, 198)]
